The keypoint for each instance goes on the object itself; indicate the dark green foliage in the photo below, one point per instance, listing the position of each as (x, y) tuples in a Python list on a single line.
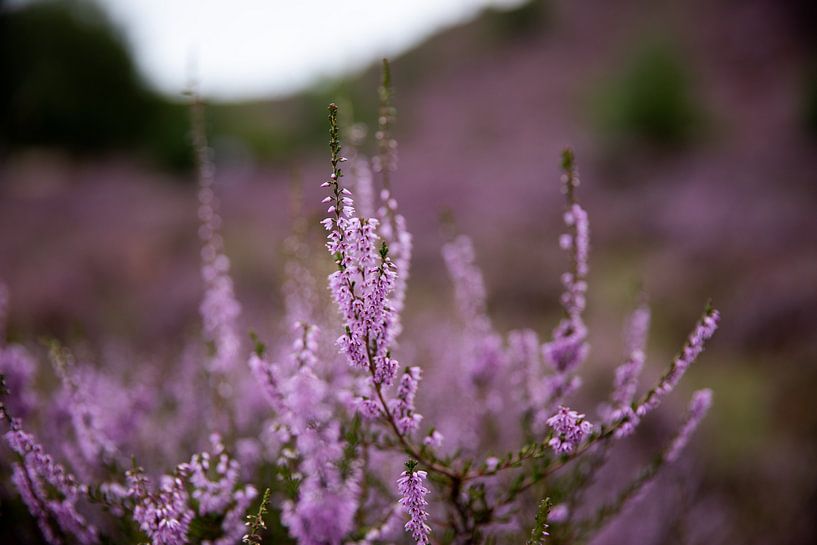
[(69, 83), (539, 532), (258, 346), (256, 523), (651, 100), (205, 527), (809, 100)]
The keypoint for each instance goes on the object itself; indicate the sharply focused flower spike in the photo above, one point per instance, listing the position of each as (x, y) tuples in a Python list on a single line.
[(413, 492)]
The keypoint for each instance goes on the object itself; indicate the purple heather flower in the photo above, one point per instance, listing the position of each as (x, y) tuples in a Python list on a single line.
[(361, 286), (483, 346), (558, 513), (395, 234), (491, 463), (569, 430), (326, 504), (402, 406), (164, 515), (626, 376), (434, 439), (232, 525), (214, 477), (627, 419), (413, 492), (693, 347), (18, 366), (386, 531), (469, 287), (368, 408), (638, 328), (92, 440), (324, 510), (268, 378), (321, 516), (698, 407), (219, 309), (569, 348), (48, 490), (626, 380), (525, 356)]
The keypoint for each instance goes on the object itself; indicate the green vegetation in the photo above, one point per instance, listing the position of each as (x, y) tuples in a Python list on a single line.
[(651, 101), (69, 83)]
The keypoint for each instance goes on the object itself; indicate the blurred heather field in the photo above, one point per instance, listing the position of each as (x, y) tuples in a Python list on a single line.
[(695, 128)]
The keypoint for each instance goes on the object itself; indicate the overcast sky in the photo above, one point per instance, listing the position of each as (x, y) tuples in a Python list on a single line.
[(253, 48)]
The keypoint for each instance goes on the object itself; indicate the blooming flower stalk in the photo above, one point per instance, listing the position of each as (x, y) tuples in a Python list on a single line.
[(525, 357), (693, 347), (327, 500), (483, 346), (93, 442), (219, 308), (626, 379), (402, 406), (164, 515), (365, 277), (48, 490), (568, 347), (411, 486)]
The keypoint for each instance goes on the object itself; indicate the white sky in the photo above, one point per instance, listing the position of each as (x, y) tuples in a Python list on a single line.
[(253, 48)]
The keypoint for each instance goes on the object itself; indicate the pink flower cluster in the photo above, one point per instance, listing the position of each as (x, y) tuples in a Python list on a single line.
[(569, 430)]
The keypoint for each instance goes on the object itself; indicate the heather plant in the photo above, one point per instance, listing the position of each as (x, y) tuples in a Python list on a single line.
[(325, 418)]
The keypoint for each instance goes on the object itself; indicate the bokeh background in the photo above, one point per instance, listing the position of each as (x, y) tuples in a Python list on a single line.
[(695, 126)]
